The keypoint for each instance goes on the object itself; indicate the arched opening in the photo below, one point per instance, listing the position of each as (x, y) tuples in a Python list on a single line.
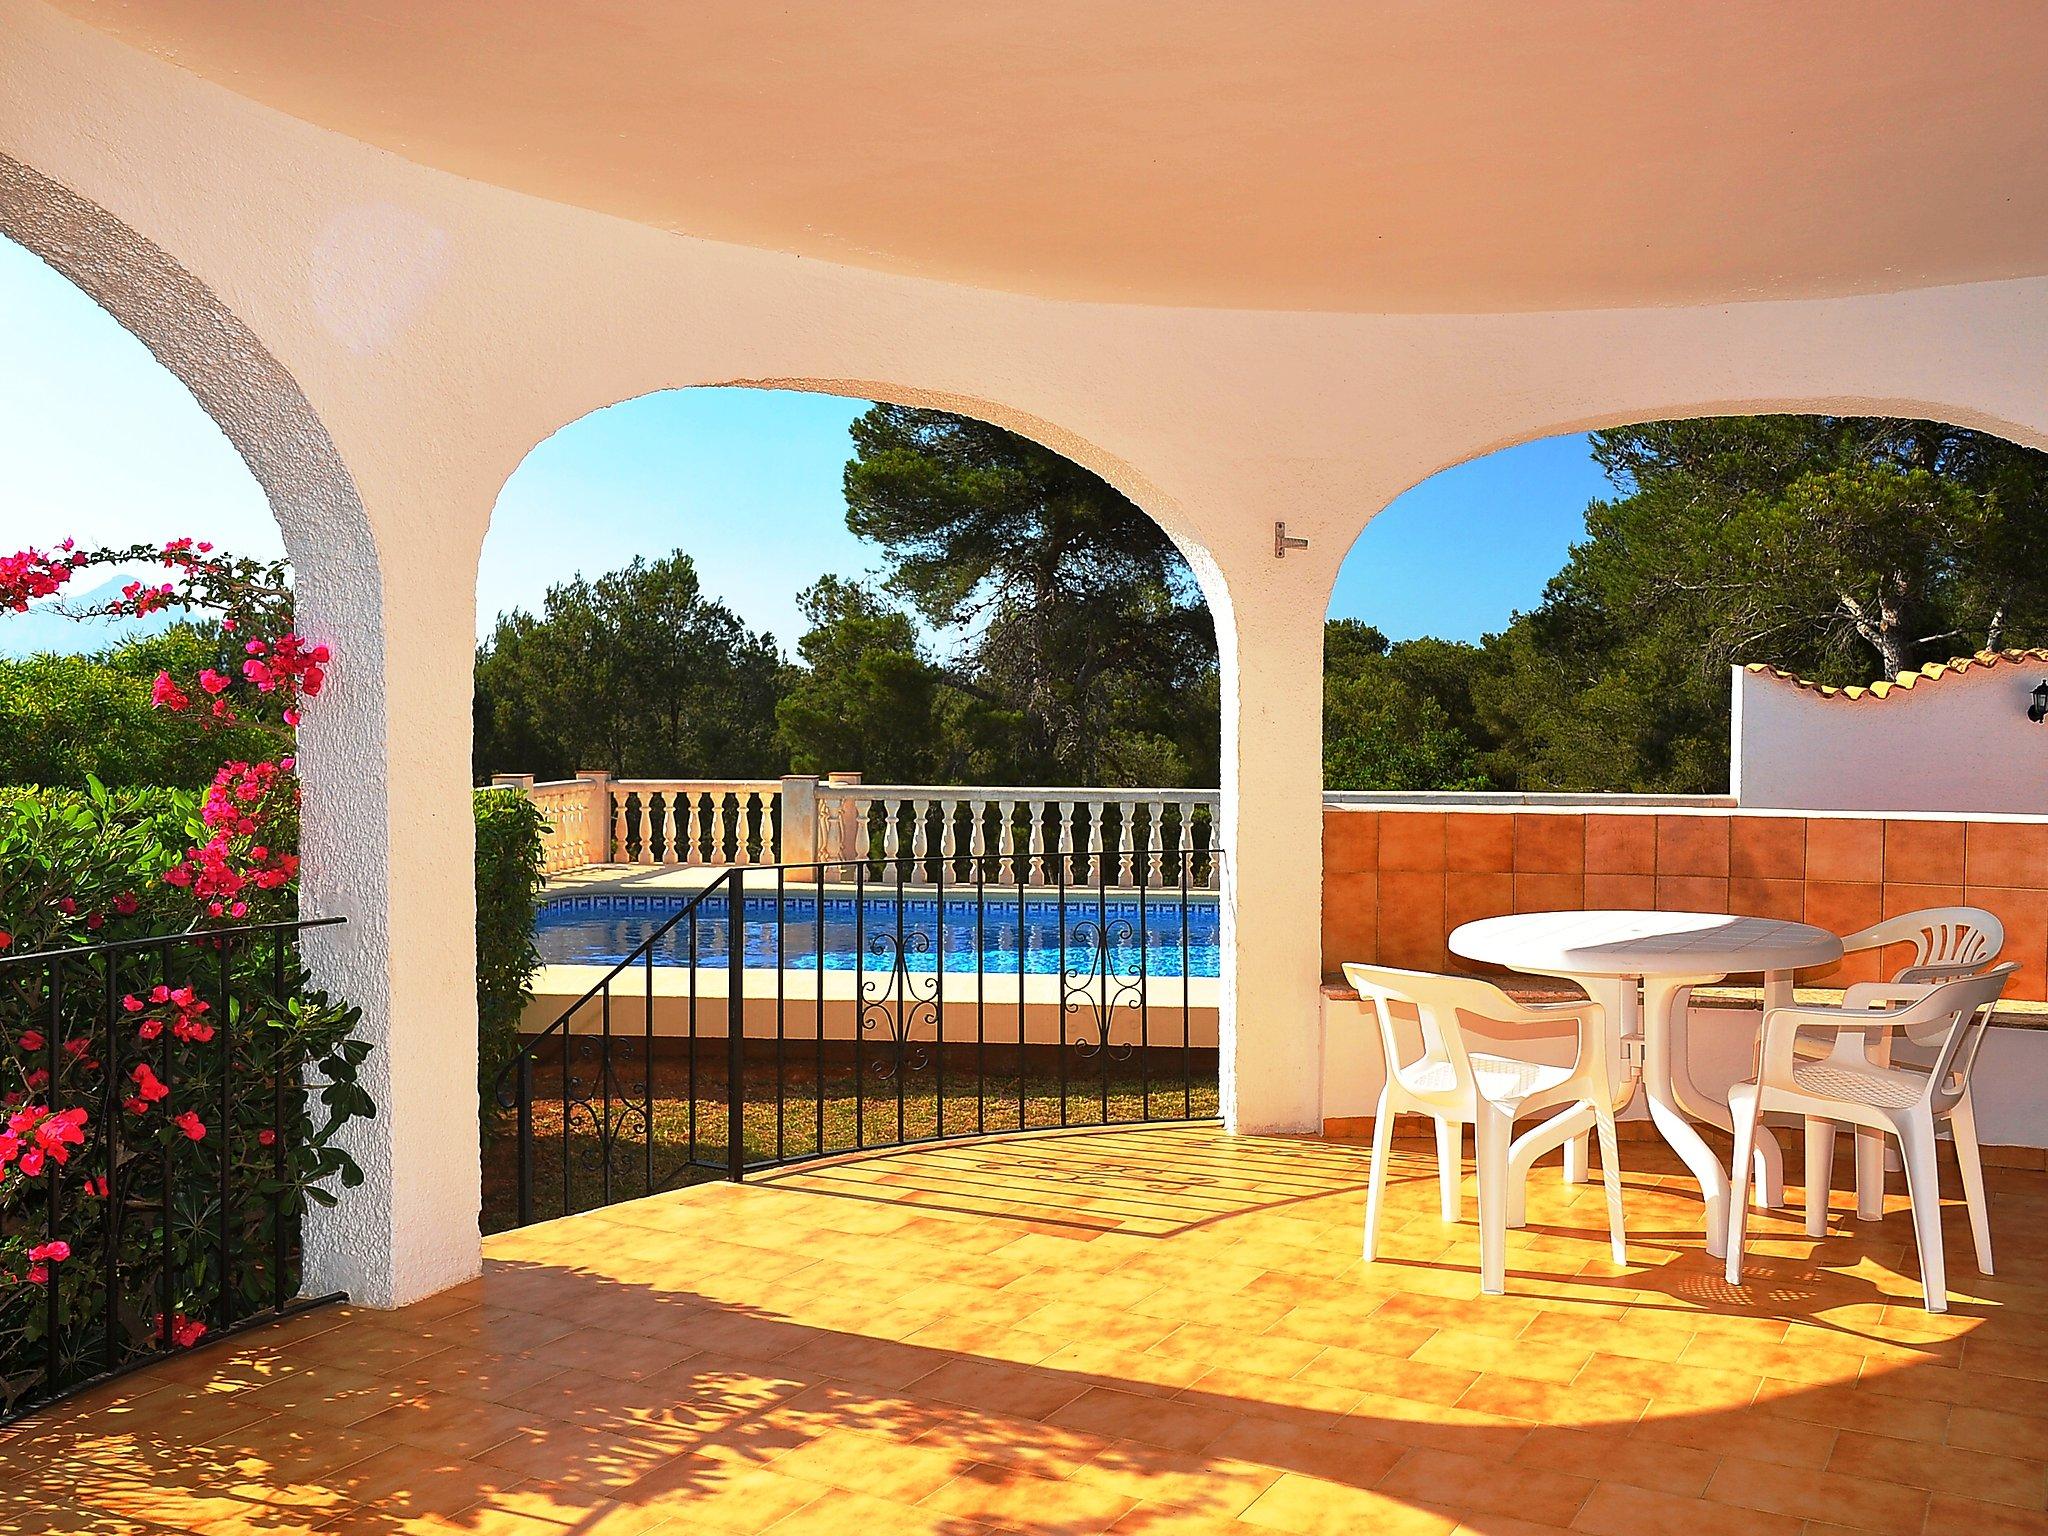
[(365, 1243), (1769, 667), (942, 699)]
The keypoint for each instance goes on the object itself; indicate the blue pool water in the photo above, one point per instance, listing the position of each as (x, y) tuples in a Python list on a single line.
[(602, 930)]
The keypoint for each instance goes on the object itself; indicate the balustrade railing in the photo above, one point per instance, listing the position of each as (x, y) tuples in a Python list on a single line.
[(1117, 837), (1121, 838), (695, 821)]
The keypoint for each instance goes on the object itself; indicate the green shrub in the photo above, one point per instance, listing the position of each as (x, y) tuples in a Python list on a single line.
[(230, 1137), (64, 719), (508, 883)]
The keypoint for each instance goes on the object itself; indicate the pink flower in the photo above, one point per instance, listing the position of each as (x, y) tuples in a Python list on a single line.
[(190, 1123), (53, 1252), (147, 1085), (214, 682), (182, 1331), (126, 904), (30, 1040), (266, 1137), (167, 695)]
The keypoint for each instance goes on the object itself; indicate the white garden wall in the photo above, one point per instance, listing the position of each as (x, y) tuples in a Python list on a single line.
[(1953, 737)]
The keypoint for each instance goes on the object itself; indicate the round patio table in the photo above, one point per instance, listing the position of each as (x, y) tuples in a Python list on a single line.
[(1666, 955)]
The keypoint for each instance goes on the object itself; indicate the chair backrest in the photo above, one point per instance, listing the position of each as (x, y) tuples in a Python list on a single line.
[(1947, 941), (1954, 1018), (1437, 1000)]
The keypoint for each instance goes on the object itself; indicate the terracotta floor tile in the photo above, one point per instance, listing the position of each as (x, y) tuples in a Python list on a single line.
[(1001, 1496), (1854, 1501), (1310, 1506), (1981, 1475), (1615, 1509), (1481, 1484), (1164, 1330)]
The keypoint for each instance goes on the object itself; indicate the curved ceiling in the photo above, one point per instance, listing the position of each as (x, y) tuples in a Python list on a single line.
[(1381, 155)]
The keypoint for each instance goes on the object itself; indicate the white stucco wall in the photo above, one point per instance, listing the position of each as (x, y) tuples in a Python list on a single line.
[(435, 329), (1959, 741)]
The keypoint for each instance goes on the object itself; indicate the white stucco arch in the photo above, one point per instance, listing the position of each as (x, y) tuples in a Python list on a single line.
[(259, 406)]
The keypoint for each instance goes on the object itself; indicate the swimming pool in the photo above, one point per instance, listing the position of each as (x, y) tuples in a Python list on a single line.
[(969, 936)]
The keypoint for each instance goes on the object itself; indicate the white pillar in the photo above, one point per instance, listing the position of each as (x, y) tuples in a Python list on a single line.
[(390, 844), (1270, 641)]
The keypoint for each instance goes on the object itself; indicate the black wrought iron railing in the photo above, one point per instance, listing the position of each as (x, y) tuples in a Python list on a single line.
[(787, 1013), (157, 1148)]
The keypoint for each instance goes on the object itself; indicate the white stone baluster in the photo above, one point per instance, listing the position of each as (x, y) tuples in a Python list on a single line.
[(721, 829), (1126, 870), (977, 840), (1155, 860), (892, 834), (619, 824), (666, 823), (1066, 816), (920, 837)]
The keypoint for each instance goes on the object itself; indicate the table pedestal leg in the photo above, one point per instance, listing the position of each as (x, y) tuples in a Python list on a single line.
[(1663, 1066)]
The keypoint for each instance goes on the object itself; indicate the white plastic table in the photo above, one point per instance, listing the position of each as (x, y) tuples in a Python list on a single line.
[(1610, 954)]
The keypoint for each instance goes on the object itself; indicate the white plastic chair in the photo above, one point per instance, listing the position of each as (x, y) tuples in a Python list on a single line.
[(1851, 1086), (1455, 1086), (1948, 942)]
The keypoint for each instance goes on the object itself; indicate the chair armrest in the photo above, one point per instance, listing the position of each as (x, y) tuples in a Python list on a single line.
[(1781, 1027), (1870, 994), (1580, 1012)]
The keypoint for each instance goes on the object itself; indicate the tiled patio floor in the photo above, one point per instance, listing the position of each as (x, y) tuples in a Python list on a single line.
[(1164, 1330)]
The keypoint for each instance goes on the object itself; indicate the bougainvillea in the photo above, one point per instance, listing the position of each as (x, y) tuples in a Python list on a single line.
[(155, 1103)]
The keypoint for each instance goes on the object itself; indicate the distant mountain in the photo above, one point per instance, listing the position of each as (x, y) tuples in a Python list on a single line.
[(44, 631)]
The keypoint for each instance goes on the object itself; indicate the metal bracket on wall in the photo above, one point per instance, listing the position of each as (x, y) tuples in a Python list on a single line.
[(1282, 543)]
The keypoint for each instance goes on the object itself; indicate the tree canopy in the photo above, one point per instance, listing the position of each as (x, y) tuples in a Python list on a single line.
[(637, 672), (1071, 619), (1845, 549)]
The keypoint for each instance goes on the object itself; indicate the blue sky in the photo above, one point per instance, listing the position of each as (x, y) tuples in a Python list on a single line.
[(100, 442)]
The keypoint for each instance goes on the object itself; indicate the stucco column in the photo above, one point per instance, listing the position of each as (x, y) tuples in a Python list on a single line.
[(389, 844), (1271, 646)]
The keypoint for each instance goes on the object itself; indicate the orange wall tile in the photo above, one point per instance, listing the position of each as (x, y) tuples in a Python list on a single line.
[(1478, 843), (1838, 850), (1692, 845), (1468, 897), (1350, 918), (1418, 874), (1411, 920), (2005, 854), (1924, 852), (1782, 899), (1549, 893), (1692, 893), (1621, 845), (1351, 841), (1411, 840), (1552, 844), (1621, 893), (1767, 847)]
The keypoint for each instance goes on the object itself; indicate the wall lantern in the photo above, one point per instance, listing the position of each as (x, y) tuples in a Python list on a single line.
[(2039, 710)]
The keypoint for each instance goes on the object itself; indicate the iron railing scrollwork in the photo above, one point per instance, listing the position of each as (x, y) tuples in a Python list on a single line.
[(781, 1014)]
